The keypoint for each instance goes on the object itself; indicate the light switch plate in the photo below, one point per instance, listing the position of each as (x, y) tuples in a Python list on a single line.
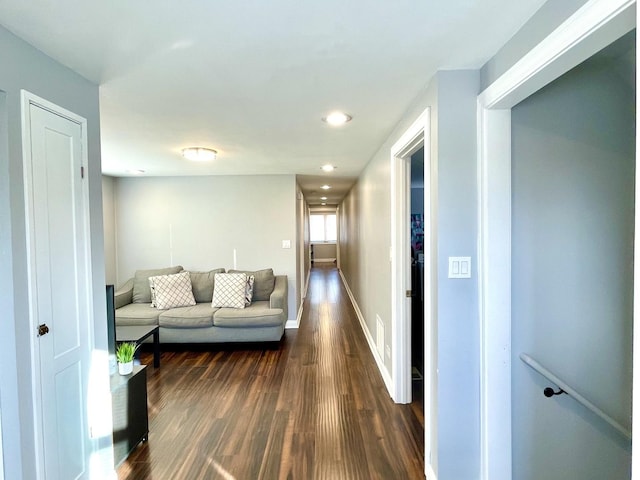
[(286, 243), (459, 267)]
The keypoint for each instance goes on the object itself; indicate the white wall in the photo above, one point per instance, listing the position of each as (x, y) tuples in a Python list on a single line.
[(198, 222), (300, 207), (26, 68), (573, 161), (324, 252), (109, 225)]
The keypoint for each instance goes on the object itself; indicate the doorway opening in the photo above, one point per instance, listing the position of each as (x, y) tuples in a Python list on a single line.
[(416, 209), (591, 28), (416, 138)]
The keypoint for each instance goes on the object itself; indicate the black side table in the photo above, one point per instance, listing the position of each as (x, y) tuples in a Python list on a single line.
[(129, 406)]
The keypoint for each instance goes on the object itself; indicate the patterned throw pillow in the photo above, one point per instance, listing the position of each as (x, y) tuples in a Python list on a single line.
[(170, 291), (141, 291), (248, 291), (229, 290)]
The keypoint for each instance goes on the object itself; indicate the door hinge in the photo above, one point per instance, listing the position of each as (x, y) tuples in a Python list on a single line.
[(409, 293), (82, 172)]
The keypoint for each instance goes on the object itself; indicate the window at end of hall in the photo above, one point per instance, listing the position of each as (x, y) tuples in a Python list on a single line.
[(323, 227)]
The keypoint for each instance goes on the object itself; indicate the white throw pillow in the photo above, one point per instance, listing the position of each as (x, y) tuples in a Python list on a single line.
[(229, 290), (170, 291)]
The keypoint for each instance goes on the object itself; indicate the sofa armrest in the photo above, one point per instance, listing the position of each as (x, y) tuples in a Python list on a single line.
[(280, 296), (124, 295)]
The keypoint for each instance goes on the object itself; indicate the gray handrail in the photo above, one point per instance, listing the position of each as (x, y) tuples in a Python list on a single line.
[(571, 392)]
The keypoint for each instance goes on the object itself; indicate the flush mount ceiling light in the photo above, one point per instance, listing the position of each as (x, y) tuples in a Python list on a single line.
[(199, 154), (323, 198), (336, 119), (328, 167), (325, 187), (323, 203)]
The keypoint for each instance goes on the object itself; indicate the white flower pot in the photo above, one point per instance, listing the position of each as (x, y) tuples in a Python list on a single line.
[(125, 368)]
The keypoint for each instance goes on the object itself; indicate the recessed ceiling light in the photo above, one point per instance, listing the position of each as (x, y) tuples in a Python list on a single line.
[(325, 187), (337, 118), (328, 167), (323, 198), (323, 203), (199, 154), (135, 172)]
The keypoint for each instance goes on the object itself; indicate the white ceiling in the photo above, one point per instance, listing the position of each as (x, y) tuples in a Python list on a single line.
[(252, 79)]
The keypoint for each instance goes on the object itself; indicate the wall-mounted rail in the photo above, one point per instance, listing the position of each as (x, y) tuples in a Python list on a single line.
[(575, 395)]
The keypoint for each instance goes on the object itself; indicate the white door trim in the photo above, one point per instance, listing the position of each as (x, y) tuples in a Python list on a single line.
[(28, 99), (418, 134), (595, 25)]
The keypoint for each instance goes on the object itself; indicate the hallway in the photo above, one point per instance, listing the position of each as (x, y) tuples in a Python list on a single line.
[(312, 407)]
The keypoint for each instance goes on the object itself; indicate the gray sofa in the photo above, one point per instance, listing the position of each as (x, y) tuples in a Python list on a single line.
[(262, 321)]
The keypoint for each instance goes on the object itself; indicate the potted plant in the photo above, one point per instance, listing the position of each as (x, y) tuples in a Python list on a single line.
[(124, 354)]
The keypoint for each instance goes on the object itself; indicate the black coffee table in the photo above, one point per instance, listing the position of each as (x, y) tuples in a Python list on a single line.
[(131, 333)]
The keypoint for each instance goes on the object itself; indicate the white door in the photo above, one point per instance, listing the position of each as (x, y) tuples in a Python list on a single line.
[(59, 288)]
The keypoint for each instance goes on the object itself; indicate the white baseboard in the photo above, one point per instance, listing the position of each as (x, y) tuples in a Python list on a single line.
[(295, 323), (292, 324), (306, 286), (430, 474), (372, 344)]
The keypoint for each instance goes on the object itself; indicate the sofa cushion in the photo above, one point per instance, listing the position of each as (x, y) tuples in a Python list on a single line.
[(137, 314), (264, 280), (202, 284), (199, 315), (141, 290), (171, 291), (258, 314), (229, 290)]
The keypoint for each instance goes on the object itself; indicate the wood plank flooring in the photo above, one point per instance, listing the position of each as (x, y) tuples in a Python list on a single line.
[(312, 407)]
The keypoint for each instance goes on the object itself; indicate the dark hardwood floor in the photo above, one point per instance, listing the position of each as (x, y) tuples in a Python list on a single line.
[(312, 407)]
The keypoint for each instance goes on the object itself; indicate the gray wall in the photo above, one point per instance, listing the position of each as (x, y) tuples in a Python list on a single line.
[(417, 182), (27, 68), (364, 246), (544, 21), (197, 222), (417, 200), (573, 221), (457, 300)]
